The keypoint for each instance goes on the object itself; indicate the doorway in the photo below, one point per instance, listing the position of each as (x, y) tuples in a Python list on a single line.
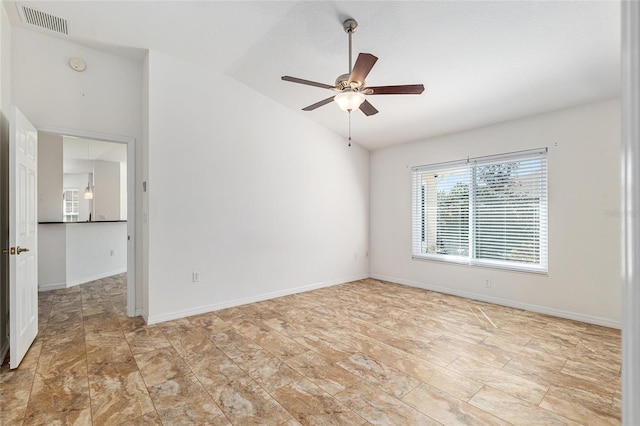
[(97, 187)]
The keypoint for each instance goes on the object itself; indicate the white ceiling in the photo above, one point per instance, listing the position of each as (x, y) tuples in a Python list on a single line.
[(481, 62)]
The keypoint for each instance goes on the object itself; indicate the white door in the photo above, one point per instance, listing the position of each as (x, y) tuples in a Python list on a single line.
[(23, 235)]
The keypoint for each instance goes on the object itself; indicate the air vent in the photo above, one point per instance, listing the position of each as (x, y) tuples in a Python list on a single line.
[(44, 20)]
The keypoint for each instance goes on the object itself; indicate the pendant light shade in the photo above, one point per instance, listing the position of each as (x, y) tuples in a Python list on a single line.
[(88, 192)]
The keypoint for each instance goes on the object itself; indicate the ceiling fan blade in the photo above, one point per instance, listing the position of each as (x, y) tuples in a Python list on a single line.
[(307, 82), (318, 104), (407, 89), (363, 65), (367, 108)]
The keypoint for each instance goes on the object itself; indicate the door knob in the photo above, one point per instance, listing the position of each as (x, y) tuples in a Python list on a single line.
[(11, 251), (21, 249)]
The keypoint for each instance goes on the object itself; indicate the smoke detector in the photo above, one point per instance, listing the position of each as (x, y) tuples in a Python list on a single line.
[(77, 64)]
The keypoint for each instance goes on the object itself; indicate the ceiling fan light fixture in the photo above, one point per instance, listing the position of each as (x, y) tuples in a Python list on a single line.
[(349, 100)]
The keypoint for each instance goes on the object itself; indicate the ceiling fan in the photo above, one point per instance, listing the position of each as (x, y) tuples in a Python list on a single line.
[(351, 87)]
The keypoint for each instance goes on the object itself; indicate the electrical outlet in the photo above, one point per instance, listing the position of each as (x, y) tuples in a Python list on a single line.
[(195, 277), (112, 252), (487, 283)]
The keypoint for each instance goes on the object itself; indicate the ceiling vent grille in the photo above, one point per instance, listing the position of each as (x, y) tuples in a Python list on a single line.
[(44, 20)]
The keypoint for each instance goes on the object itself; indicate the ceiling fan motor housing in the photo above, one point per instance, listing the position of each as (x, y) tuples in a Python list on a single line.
[(342, 82)]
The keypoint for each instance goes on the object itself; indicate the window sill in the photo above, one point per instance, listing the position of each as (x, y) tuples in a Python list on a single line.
[(484, 265)]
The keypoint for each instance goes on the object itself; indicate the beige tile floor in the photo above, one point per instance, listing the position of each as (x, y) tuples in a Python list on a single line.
[(366, 352)]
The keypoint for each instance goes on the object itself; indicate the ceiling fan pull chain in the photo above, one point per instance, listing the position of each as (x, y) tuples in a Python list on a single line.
[(349, 118)]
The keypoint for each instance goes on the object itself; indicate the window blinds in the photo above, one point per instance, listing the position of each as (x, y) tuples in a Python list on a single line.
[(489, 211)]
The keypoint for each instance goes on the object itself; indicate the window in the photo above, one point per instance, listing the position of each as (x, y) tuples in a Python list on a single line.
[(489, 211), (71, 202)]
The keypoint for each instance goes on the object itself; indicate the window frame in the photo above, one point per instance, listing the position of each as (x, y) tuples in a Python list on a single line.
[(419, 213), (70, 217)]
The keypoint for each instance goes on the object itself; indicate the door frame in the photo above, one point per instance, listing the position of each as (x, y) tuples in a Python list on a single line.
[(630, 208), (131, 198)]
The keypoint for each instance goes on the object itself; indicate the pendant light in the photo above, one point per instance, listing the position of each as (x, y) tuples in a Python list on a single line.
[(88, 191)]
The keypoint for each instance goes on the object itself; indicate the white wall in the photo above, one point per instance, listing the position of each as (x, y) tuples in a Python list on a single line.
[(95, 250), (52, 256), (253, 196), (50, 180), (77, 253), (106, 197), (143, 148), (584, 221), (106, 98)]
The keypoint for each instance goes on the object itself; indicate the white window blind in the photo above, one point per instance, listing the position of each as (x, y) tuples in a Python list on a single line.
[(489, 211)]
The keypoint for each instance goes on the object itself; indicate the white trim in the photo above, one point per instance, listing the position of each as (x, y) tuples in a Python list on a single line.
[(83, 280), (62, 131), (131, 198), (142, 313), (131, 228), (154, 319), (480, 263), (504, 302), (89, 278), (631, 208), (51, 286)]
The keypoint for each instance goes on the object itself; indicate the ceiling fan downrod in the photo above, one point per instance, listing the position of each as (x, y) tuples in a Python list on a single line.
[(350, 26)]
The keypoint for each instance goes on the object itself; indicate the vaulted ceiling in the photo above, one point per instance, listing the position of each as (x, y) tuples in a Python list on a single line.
[(480, 62)]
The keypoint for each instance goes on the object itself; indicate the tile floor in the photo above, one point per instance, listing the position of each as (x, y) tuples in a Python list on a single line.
[(366, 352)]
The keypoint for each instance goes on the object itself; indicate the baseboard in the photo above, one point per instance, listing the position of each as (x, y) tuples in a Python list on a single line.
[(142, 313), (3, 350), (99, 276), (505, 302), (154, 319), (83, 280), (51, 286)]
